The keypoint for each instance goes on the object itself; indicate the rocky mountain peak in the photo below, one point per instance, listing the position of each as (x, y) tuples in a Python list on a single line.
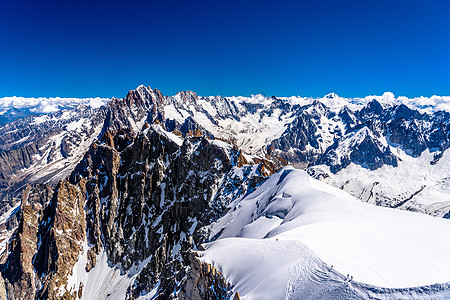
[(317, 108), (145, 97), (187, 97), (331, 96), (361, 147), (347, 115), (404, 112), (373, 108)]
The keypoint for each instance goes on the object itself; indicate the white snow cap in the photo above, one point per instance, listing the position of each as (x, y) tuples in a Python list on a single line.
[(423, 104), (336, 102)]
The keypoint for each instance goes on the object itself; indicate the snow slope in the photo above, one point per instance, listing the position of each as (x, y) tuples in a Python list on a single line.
[(104, 281), (415, 184), (308, 236)]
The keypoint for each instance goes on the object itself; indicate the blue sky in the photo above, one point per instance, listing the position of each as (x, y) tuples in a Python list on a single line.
[(308, 48)]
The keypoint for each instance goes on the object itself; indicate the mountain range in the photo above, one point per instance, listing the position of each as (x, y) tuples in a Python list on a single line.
[(117, 201)]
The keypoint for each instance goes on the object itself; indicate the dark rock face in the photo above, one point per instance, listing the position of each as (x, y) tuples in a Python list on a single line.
[(292, 145), (298, 135), (372, 154), (303, 140), (203, 281), (415, 132), (47, 242), (347, 116), (139, 106), (18, 270), (372, 110), (360, 147), (409, 134), (147, 201)]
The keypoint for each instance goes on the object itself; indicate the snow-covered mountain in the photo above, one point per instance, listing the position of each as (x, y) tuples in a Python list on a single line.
[(115, 199), (333, 136), (298, 238), (12, 108)]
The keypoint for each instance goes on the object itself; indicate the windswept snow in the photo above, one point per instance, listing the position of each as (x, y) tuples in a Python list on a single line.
[(176, 139), (298, 237), (102, 282)]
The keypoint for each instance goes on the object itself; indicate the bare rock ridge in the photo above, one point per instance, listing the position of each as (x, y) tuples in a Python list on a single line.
[(46, 244), (204, 282), (143, 198), (168, 187)]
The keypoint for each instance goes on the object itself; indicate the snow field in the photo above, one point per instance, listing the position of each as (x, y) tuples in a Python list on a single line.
[(285, 236)]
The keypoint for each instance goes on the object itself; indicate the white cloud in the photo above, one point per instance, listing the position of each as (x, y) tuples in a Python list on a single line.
[(335, 103), (423, 104), (48, 105)]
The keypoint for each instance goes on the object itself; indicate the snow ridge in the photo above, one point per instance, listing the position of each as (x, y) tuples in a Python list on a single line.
[(308, 235)]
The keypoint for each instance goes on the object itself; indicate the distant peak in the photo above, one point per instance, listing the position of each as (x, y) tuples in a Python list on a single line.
[(186, 93), (143, 88), (331, 96), (187, 96)]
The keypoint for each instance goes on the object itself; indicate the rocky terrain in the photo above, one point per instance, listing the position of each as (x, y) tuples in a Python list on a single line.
[(114, 200)]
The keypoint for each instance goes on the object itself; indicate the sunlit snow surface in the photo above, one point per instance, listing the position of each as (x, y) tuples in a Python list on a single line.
[(281, 241), (426, 185), (419, 184), (104, 281)]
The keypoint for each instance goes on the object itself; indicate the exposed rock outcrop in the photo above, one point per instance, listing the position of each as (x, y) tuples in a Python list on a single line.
[(47, 242), (203, 281)]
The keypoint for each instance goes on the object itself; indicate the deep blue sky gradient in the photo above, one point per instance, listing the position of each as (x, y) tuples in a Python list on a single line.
[(308, 48)]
